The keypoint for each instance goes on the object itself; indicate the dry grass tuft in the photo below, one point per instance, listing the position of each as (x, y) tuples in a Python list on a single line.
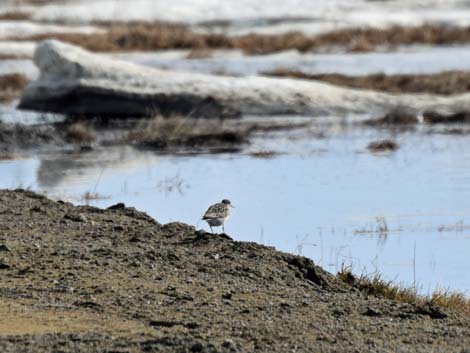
[(370, 38), (157, 35), (377, 286), (14, 136), (176, 132), (403, 117), (434, 117), (15, 16), (451, 300), (11, 86), (397, 116), (79, 133), (35, 2), (263, 154), (8, 156), (445, 83), (92, 196), (380, 227), (383, 146), (14, 57), (139, 36), (172, 184), (199, 54)]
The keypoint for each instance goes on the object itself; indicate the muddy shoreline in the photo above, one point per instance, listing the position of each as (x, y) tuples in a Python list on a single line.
[(88, 279), (174, 134)]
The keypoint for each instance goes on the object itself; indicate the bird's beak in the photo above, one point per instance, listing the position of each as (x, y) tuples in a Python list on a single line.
[(232, 206)]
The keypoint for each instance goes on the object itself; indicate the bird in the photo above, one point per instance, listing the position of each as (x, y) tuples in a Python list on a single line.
[(217, 213)]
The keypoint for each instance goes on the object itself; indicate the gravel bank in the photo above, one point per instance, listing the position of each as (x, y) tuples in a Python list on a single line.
[(86, 279)]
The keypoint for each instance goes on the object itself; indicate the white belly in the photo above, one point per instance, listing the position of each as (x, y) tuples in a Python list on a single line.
[(215, 222)]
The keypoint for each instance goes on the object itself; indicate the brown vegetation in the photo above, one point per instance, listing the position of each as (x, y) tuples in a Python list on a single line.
[(263, 154), (174, 134), (206, 135), (375, 285), (383, 146), (366, 39), (139, 36), (397, 116), (155, 36), (35, 2), (7, 156), (445, 83), (11, 86), (89, 196), (199, 54), (177, 132), (15, 16), (404, 118), (14, 136), (80, 133), (13, 57), (434, 117), (172, 184)]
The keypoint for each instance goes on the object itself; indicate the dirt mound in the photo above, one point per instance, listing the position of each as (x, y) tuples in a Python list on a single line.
[(88, 279)]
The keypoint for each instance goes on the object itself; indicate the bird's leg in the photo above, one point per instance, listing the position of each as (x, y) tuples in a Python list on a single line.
[(223, 230), (211, 229)]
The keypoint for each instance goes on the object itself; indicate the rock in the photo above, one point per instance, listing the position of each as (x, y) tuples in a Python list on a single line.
[(203, 236), (431, 310), (227, 343), (227, 296), (75, 217), (87, 304), (372, 312), (118, 206), (76, 82), (165, 323), (305, 268), (4, 266), (3, 247), (64, 287), (197, 347)]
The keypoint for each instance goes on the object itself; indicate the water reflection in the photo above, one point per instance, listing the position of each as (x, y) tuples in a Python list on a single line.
[(63, 170)]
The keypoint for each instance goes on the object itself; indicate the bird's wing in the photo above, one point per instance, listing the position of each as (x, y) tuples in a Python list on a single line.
[(213, 211)]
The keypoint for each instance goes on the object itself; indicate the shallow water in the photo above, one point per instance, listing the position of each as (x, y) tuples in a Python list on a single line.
[(323, 197), (410, 60)]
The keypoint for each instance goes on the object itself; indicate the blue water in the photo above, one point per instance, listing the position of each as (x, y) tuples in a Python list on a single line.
[(324, 198), (405, 60)]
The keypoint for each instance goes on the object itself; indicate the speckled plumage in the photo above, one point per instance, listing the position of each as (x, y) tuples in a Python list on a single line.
[(217, 213)]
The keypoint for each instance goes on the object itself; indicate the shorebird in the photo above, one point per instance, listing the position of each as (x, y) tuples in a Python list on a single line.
[(216, 214)]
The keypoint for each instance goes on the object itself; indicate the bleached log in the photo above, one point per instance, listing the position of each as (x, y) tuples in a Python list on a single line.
[(74, 81)]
